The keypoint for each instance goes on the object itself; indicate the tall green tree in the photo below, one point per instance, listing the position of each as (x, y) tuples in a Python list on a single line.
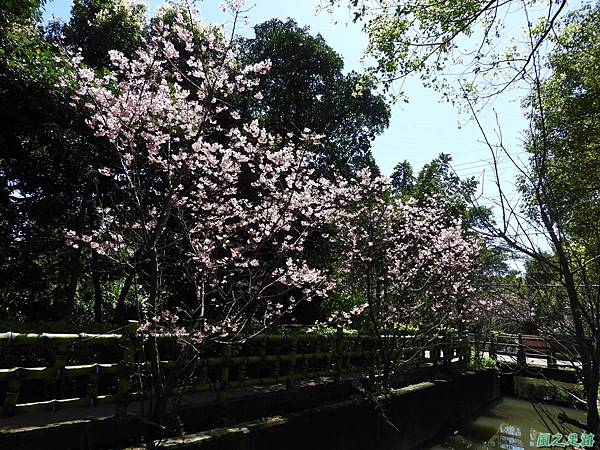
[(48, 167), (558, 224), (437, 178), (306, 88), (38, 167), (403, 180), (564, 195), (97, 26)]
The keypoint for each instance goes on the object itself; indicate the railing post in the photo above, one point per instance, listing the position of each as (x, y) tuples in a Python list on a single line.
[(302, 363), (347, 352), (466, 351), (60, 361), (224, 373), (318, 363), (277, 362), (203, 377), (492, 348), (337, 375), (362, 360), (12, 394), (128, 341), (263, 358), (521, 355), (435, 353), (551, 359), (372, 359), (448, 351), (242, 373), (292, 362), (92, 387), (463, 352)]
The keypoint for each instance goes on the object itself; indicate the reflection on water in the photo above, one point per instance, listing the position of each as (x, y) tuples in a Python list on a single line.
[(513, 424)]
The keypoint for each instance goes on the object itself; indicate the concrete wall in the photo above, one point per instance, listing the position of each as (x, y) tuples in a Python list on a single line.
[(418, 413)]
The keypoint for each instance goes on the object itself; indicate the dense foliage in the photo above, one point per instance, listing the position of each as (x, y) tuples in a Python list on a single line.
[(454, 46)]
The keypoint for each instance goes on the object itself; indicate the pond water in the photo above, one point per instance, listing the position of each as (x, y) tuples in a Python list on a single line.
[(512, 424)]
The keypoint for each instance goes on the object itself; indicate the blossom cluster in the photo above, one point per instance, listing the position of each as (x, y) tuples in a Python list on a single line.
[(412, 262)]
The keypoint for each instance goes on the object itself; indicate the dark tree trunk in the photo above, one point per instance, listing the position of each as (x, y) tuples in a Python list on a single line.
[(71, 289), (592, 380), (75, 265), (97, 288), (120, 309), (589, 360), (161, 408), (160, 397)]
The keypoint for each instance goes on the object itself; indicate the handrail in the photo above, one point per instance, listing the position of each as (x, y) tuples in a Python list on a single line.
[(260, 360), (523, 346), (11, 338)]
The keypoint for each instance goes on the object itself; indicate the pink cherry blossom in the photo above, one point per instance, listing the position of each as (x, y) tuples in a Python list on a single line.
[(411, 264), (232, 207)]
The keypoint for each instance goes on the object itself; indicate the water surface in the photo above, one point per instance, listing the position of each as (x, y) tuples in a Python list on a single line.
[(513, 424)]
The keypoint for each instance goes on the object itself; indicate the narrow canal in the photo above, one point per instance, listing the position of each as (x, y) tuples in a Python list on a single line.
[(513, 424)]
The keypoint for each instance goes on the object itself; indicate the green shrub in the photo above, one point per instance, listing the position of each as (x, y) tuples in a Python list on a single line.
[(478, 362)]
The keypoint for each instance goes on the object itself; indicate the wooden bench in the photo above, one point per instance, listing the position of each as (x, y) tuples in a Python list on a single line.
[(536, 346)]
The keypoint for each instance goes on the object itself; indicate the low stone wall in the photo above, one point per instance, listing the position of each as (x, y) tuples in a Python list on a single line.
[(328, 416), (95, 428), (413, 416)]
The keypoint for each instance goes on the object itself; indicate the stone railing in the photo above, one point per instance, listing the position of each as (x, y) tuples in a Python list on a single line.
[(48, 372)]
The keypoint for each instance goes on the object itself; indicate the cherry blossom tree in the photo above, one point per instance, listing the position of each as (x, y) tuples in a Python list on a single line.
[(408, 267), (225, 204)]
